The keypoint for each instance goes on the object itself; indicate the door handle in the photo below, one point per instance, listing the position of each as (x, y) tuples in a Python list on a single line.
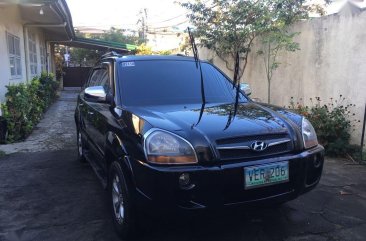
[(90, 113), (81, 104)]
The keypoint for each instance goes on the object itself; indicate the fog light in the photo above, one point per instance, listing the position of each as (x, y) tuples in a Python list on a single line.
[(316, 161), (184, 180)]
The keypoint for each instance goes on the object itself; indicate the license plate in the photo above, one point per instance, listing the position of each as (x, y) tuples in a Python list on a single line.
[(265, 175)]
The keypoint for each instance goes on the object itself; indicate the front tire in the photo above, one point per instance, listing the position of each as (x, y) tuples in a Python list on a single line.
[(122, 207)]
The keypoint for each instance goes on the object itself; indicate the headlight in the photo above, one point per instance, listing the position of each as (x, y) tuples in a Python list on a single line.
[(308, 134), (163, 147)]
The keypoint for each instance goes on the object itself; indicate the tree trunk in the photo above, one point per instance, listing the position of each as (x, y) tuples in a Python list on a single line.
[(269, 70), (269, 92)]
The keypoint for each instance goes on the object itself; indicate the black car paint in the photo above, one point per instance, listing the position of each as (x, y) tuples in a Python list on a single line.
[(114, 132)]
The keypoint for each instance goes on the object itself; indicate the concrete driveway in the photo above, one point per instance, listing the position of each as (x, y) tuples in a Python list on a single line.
[(49, 195)]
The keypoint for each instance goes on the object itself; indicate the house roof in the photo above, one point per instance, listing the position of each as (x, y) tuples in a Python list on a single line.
[(351, 7), (54, 17), (341, 7)]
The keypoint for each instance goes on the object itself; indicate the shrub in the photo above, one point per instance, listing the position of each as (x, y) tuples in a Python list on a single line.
[(333, 122), (25, 104)]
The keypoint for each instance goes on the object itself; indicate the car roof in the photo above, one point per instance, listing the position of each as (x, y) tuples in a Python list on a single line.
[(153, 57)]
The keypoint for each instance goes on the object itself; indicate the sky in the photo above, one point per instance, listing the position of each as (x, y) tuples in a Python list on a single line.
[(160, 13), (125, 13)]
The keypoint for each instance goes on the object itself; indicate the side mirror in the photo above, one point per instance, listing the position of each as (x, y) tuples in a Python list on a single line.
[(96, 94), (246, 88)]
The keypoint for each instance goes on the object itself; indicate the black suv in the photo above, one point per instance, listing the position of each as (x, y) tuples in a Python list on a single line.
[(159, 134)]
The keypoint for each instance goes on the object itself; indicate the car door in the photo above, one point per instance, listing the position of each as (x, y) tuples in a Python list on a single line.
[(89, 107), (100, 114), (83, 105)]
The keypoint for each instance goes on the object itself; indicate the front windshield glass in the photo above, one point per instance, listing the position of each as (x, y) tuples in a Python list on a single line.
[(172, 82)]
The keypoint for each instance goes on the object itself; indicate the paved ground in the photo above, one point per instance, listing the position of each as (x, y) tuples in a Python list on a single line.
[(54, 131), (48, 195)]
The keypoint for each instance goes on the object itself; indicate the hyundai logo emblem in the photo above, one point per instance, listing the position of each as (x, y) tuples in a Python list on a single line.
[(258, 146)]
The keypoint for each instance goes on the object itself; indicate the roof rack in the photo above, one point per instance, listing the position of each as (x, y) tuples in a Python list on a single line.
[(111, 54)]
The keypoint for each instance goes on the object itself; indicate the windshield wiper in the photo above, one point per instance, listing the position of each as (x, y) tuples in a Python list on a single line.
[(236, 69), (198, 66), (236, 84)]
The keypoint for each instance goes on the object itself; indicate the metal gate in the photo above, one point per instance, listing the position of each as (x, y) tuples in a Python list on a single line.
[(75, 76)]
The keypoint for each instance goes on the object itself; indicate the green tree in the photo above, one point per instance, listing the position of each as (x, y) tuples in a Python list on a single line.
[(88, 57), (229, 27), (144, 50), (164, 52), (185, 47), (118, 35), (81, 56), (278, 37)]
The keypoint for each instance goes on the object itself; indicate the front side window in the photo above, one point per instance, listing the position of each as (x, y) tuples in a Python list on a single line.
[(32, 54), (14, 56), (95, 78), (100, 77), (171, 82)]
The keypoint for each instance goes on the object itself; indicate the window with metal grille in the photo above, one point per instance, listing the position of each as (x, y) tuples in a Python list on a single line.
[(14, 55), (43, 53), (33, 64)]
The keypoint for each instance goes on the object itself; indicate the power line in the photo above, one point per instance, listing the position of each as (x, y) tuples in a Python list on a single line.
[(185, 13), (167, 20), (170, 26)]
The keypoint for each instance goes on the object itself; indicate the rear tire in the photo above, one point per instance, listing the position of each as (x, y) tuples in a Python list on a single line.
[(81, 146), (121, 203)]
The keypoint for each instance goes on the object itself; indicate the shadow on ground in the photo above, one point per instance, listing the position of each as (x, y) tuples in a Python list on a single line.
[(51, 196)]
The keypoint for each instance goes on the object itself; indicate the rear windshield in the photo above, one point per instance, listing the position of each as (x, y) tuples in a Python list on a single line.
[(171, 82)]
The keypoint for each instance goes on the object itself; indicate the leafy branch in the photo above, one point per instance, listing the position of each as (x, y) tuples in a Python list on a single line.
[(229, 27), (272, 43)]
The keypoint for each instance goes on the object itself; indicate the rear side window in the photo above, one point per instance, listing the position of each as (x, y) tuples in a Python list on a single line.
[(164, 82)]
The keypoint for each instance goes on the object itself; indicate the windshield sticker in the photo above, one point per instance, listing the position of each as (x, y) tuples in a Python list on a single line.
[(128, 64)]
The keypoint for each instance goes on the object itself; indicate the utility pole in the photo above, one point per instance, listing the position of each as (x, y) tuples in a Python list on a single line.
[(143, 20)]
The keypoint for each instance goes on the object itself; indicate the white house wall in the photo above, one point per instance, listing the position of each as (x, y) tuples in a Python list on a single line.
[(331, 62), (11, 22)]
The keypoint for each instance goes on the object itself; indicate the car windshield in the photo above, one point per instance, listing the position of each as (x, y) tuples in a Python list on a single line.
[(171, 82)]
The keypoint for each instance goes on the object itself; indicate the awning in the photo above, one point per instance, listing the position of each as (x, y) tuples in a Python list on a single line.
[(99, 45)]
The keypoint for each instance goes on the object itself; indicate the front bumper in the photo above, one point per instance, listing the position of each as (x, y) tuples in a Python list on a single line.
[(222, 185)]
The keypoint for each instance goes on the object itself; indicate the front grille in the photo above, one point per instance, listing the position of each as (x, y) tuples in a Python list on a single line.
[(246, 154), (241, 139), (232, 154)]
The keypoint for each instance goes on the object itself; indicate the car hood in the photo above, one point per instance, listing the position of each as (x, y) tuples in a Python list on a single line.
[(215, 121)]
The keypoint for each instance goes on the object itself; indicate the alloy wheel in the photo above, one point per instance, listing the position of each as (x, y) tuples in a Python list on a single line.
[(117, 200)]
